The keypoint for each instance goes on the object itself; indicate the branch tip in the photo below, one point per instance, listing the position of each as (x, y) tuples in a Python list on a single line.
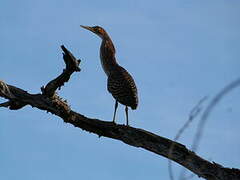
[(72, 65)]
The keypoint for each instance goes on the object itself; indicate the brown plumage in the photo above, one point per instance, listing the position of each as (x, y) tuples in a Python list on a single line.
[(122, 87), (120, 83)]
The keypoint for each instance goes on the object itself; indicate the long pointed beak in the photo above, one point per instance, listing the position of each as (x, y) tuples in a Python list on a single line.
[(88, 28)]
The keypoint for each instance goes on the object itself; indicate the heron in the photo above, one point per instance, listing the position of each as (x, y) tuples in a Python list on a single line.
[(119, 82)]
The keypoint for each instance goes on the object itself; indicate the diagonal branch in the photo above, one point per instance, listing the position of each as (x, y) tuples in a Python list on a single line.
[(193, 114), (136, 137)]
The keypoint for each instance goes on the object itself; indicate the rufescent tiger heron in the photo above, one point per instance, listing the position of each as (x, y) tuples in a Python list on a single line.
[(120, 83)]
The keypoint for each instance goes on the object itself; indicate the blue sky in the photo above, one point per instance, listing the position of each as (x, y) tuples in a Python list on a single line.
[(177, 51)]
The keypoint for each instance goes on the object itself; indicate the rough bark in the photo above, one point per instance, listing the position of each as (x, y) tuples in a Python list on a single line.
[(49, 101)]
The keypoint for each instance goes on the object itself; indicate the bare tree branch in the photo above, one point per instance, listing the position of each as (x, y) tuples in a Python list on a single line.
[(50, 102), (210, 108), (193, 114), (72, 65)]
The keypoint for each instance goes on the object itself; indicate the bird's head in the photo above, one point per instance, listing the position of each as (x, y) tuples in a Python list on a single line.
[(96, 30)]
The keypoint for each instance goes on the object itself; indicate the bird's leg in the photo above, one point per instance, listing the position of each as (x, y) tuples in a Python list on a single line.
[(115, 110), (126, 110)]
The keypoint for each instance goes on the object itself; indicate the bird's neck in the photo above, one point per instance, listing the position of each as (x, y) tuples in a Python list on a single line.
[(107, 55), (107, 47)]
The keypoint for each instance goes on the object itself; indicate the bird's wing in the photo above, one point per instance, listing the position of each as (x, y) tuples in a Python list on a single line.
[(122, 86)]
